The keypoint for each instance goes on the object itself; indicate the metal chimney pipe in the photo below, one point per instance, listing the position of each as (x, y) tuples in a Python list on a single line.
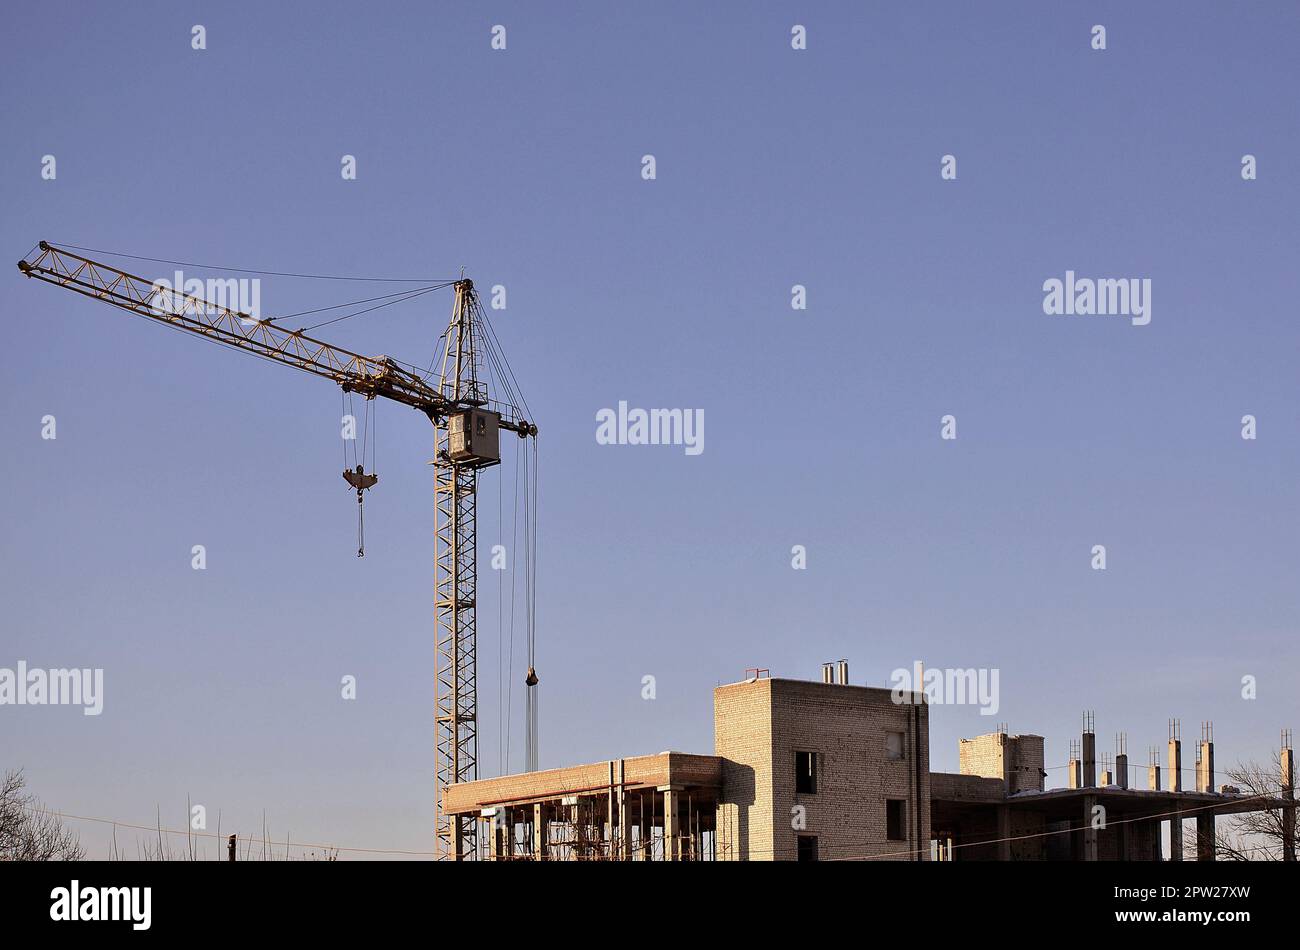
[(844, 672), (828, 672)]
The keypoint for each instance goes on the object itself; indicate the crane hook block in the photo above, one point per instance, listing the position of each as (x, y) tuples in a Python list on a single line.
[(358, 478), (531, 679)]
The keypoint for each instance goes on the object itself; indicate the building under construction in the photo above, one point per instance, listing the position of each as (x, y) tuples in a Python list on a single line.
[(829, 771)]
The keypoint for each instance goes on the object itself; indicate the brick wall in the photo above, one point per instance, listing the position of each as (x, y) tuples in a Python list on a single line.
[(742, 737), (984, 755), (759, 727), (1017, 759), (1027, 765)]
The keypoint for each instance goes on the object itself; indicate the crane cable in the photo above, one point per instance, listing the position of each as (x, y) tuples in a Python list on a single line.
[(366, 439), (514, 539), (530, 682), (405, 294), (410, 295), (501, 376), (369, 445), (431, 284), (530, 603), (501, 626), (252, 270)]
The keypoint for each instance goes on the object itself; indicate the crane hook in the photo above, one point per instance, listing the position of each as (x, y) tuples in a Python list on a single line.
[(359, 480)]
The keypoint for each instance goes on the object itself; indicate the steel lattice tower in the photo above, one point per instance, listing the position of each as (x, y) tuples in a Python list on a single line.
[(455, 575)]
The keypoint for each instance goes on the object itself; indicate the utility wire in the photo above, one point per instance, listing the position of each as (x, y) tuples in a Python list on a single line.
[(1179, 813), (209, 834)]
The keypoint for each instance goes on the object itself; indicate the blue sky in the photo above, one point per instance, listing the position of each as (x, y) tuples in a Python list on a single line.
[(774, 168)]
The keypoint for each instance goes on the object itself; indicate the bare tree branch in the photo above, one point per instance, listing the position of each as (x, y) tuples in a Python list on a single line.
[(1256, 835), (29, 831)]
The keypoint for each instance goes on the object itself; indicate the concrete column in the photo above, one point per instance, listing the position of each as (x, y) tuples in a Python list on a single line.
[(672, 846), (1089, 760), (1121, 770), (1004, 833), (647, 827), (1089, 832), (1175, 785), (1288, 811), (624, 826), (1074, 774), (1153, 778), (1205, 836), (1157, 853), (541, 851), (1205, 768), (456, 852), (496, 832), (611, 808)]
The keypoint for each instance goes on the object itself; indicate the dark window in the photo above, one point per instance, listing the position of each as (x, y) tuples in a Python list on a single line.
[(894, 819), (807, 847), (805, 773)]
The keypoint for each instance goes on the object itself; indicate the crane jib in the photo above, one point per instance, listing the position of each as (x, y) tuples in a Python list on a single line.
[(369, 376)]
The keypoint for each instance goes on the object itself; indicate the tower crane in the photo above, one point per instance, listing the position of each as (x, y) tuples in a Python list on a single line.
[(466, 441)]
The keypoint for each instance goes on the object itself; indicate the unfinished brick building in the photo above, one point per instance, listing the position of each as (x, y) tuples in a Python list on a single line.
[(827, 771)]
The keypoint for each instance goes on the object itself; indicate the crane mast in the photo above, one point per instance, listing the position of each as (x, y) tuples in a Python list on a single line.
[(455, 578), (466, 433)]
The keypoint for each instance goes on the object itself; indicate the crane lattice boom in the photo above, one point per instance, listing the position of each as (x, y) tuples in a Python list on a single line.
[(369, 376)]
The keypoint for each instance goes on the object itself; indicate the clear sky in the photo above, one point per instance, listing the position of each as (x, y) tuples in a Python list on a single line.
[(775, 167)]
